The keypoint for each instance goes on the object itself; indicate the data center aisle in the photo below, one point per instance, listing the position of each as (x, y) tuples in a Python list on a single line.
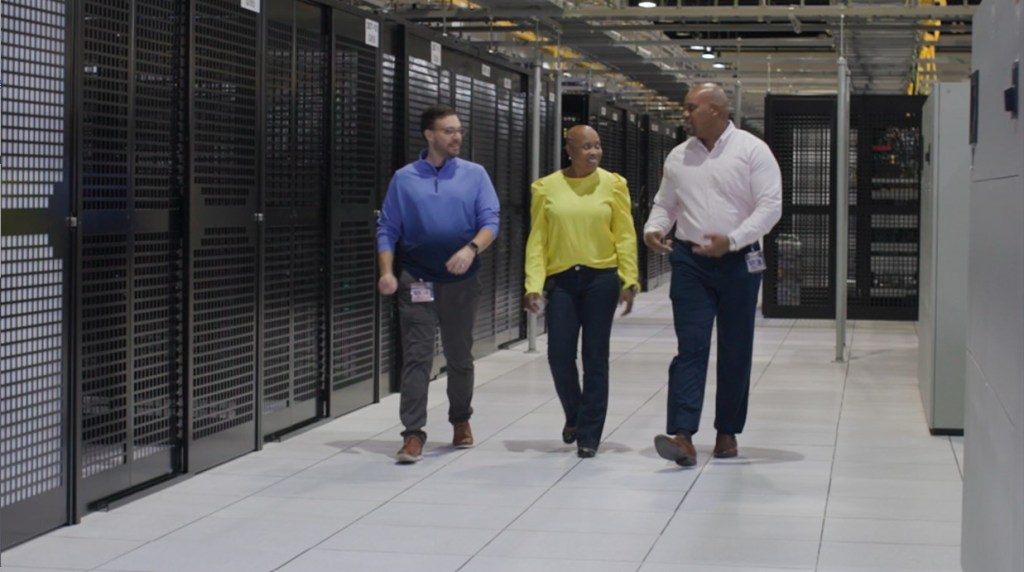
[(837, 472)]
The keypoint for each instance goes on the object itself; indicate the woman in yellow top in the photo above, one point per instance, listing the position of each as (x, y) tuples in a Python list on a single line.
[(583, 246)]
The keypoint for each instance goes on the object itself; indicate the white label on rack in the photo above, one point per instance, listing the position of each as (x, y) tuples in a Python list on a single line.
[(615, 116), (252, 5), (508, 83), (485, 69), (632, 117), (654, 126), (372, 33), (435, 53), (551, 97), (604, 111)]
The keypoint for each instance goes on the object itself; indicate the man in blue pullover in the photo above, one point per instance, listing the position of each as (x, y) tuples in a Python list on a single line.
[(441, 212)]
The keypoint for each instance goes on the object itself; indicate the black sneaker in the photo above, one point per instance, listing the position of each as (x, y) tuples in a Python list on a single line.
[(568, 435), (586, 452)]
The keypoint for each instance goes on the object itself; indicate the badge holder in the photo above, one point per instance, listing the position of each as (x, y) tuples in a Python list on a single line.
[(421, 292), (755, 262)]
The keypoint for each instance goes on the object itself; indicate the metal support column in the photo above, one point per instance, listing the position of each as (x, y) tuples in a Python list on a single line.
[(842, 202), (535, 91)]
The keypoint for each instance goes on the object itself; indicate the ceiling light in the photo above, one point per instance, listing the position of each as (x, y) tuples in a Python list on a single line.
[(648, 4), (708, 55), (718, 65), (697, 48)]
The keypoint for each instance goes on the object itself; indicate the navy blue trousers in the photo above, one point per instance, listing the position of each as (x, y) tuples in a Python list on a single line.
[(704, 290), (582, 298)]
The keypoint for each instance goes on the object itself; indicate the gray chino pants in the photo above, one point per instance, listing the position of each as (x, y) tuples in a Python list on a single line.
[(454, 310)]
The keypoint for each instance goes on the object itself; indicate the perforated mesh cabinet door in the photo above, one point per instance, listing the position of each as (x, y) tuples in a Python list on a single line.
[(355, 183), (34, 407), (130, 288), (294, 235), (885, 206), (799, 281), (392, 118), (222, 268)]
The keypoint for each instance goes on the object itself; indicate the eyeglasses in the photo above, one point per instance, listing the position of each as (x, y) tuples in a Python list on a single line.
[(451, 131)]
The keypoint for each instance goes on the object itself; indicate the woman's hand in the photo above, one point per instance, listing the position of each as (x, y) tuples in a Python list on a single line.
[(534, 302), (626, 297)]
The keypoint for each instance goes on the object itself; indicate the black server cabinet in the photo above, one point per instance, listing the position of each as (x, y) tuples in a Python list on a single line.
[(129, 273), (799, 281), (361, 141), (885, 182), (222, 243), (35, 270), (885, 206), (293, 241)]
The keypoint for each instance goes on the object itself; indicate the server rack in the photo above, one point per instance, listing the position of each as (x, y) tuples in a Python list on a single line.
[(35, 272), (799, 281), (885, 182), (129, 261)]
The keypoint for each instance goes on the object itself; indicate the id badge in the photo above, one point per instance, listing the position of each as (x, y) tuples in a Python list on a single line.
[(755, 262), (421, 292)]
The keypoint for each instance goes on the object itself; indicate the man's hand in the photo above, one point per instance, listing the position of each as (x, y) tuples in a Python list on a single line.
[(387, 284), (626, 297), (533, 303), (460, 261), (656, 241), (717, 246)]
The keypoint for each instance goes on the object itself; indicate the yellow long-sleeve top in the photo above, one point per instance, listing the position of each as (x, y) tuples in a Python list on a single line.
[(580, 221)]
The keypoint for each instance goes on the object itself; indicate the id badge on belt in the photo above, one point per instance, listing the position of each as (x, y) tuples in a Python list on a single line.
[(421, 291), (755, 262)]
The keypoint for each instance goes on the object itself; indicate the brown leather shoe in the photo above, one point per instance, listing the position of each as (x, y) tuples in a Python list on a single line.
[(725, 446), (679, 449), (462, 436), (411, 451)]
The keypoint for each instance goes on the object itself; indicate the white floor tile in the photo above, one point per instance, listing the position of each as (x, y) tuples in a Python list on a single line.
[(319, 560), (409, 539), (72, 553), (736, 551), (857, 557), (502, 564), (540, 519), (574, 546), (892, 531), (203, 556)]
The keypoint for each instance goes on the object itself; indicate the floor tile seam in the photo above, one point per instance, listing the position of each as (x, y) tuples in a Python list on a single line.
[(771, 360), (956, 457), (835, 446)]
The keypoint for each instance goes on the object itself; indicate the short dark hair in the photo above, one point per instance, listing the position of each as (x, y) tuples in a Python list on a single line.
[(433, 113)]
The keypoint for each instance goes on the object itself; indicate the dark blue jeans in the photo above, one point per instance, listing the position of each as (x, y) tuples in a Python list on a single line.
[(586, 298), (705, 289)]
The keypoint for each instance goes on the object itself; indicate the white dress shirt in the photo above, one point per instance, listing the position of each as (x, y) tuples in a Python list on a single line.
[(735, 189)]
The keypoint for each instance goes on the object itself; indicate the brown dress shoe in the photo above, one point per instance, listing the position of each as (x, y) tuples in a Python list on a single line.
[(679, 449), (411, 451), (462, 437), (725, 446)]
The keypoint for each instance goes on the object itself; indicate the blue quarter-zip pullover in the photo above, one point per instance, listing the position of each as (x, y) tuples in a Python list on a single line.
[(431, 213)]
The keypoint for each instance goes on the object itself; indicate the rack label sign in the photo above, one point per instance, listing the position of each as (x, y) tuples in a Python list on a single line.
[(372, 33), (604, 111), (508, 83), (485, 69), (435, 53), (251, 5), (551, 96)]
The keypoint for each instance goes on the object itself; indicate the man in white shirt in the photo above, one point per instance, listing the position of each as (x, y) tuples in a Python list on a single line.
[(722, 188)]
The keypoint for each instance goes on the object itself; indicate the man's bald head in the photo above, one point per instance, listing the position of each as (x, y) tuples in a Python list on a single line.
[(706, 112), (711, 93)]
